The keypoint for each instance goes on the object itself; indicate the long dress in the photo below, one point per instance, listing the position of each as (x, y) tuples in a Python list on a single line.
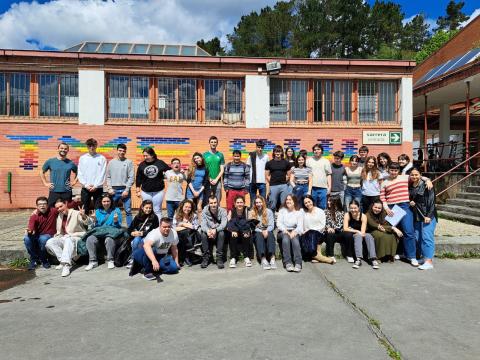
[(385, 242)]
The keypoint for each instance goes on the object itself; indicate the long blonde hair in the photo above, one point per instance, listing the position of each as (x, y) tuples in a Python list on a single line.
[(254, 212), (193, 166)]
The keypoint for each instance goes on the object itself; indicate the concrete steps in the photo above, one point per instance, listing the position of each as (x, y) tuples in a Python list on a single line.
[(464, 208)]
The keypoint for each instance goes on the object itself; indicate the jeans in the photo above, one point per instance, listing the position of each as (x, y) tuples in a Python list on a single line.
[(287, 246), (277, 192), (137, 242), (35, 245), (260, 242), (319, 197), (300, 191), (424, 234), (157, 199), (406, 225), (241, 243), (87, 196), (261, 188), (172, 206), (358, 243), (217, 190), (141, 257), (92, 243), (207, 245), (127, 201), (330, 240), (352, 194)]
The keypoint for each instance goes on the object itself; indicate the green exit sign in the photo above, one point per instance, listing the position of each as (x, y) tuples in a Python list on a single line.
[(395, 137)]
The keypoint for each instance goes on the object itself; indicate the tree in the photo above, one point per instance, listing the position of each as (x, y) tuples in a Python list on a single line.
[(212, 46), (454, 17), (434, 43), (415, 34)]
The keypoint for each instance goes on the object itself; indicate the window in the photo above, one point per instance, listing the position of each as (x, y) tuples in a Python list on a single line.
[(223, 100), (15, 94), (367, 101), (3, 94), (58, 95), (332, 100), (128, 97), (288, 100), (377, 101), (387, 100), (177, 99)]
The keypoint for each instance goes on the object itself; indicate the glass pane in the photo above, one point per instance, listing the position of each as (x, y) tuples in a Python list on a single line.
[(139, 97), (19, 94), (106, 48), (123, 48), (156, 50), (386, 100), (298, 100), (90, 47), (118, 100), (69, 95), (3, 94), (74, 48), (48, 95), (171, 50), (343, 100), (328, 100), (166, 98), (139, 49), (233, 101), (367, 100), (201, 52), (278, 100), (188, 50), (214, 99), (187, 99)]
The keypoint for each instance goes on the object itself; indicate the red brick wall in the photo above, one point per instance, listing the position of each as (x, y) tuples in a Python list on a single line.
[(25, 147)]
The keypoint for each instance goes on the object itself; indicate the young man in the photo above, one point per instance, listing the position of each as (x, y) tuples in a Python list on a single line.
[(41, 227), (214, 161), (277, 174), (236, 178), (153, 257), (120, 177), (338, 172), (91, 174), (363, 154), (214, 221), (257, 161), (394, 191), (321, 176), (174, 193), (61, 168), (71, 226)]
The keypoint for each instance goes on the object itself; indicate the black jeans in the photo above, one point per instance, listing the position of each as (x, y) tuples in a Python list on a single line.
[(242, 243), (330, 240), (87, 196), (260, 242), (53, 196), (207, 245), (186, 239)]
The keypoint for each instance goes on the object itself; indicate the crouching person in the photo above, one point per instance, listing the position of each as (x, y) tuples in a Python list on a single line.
[(71, 226), (153, 258), (214, 221)]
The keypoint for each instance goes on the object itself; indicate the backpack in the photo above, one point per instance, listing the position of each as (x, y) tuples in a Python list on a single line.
[(123, 253)]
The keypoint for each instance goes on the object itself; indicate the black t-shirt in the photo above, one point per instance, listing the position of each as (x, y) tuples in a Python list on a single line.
[(278, 171), (150, 175)]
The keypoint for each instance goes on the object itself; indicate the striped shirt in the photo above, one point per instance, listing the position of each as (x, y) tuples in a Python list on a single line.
[(395, 191), (301, 175)]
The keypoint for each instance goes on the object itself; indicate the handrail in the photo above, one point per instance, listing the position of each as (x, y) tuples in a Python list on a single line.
[(459, 181), (458, 165)]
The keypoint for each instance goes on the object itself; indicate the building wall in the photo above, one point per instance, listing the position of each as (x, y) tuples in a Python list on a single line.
[(25, 147)]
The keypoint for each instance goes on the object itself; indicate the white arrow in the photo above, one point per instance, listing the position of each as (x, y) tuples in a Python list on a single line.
[(395, 137)]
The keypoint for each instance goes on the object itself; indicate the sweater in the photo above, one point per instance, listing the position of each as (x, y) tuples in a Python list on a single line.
[(290, 220), (395, 191), (137, 223), (208, 222), (91, 170), (105, 217), (120, 174), (269, 226), (236, 176), (150, 175)]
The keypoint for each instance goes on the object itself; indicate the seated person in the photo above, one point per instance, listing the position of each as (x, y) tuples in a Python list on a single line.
[(185, 223), (333, 232), (264, 233), (153, 258), (290, 227), (241, 234), (214, 221)]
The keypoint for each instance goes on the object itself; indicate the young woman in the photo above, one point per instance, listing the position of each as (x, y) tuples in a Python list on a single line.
[(422, 202), (105, 215), (334, 226), (353, 190), (301, 178), (149, 181), (385, 235), (144, 222), (383, 162), (264, 239), (185, 223), (405, 164), (241, 233), (197, 180), (290, 156), (371, 181), (312, 236), (354, 229), (290, 227)]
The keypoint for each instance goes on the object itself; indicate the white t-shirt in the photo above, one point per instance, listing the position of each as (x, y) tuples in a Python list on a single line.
[(160, 242), (260, 163), (321, 168)]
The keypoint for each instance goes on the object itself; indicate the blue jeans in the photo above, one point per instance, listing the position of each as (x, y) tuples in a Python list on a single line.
[(167, 263), (261, 188), (406, 225), (126, 203), (352, 194), (277, 192), (137, 242), (172, 206), (424, 234), (319, 197), (300, 191), (35, 245)]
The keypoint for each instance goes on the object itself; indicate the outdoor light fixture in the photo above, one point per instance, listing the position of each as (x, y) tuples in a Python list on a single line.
[(274, 67)]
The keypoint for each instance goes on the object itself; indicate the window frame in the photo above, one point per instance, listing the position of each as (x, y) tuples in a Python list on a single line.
[(59, 96), (29, 96)]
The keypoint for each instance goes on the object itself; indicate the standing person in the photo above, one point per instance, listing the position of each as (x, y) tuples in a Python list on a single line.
[(149, 181), (257, 161), (236, 179), (353, 190), (174, 193), (371, 182), (264, 239), (405, 164), (71, 226), (355, 227), (213, 224), (322, 177), (91, 174), (383, 162), (120, 177), (422, 202), (338, 173), (214, 161), (290, 156), (277, 174), (41, 227), (61, 168), (197, 180), (333, 233), (362, 155), (290, 227), (185, 223), (241, 233), (301, 178)]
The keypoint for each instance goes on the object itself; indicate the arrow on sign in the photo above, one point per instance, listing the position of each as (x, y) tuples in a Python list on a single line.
[(395, 137)]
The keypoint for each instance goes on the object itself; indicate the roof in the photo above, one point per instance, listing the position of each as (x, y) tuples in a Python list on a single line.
[(137, 49)]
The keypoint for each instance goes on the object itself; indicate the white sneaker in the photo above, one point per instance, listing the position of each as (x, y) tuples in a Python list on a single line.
[(66, 270), (375, 264), (414, 262), (91, 265), (248, 262), (265, 265), (396, 257), (273, 264), (110, 265), (59, 267), (130, 263), (426, 266), (350, 260), (333, 259), (289, 268), (233, 263), (297, 268)]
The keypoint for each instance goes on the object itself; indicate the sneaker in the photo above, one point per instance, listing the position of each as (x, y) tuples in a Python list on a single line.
[(149, 277), (220, 264), (233, 263), (357, 264), (135, 269), (334, 261), (350, 260), (129, 264), (46, 265), (59, 267), (188, 262), (266, 265), (414, 262), (204, 263), (426, 266), (66, 270), (396, 257), (375, 264), (248, 262), (110, 265), (297, 268), (32, 265), (289, 268), (91, 265), (273, 264)]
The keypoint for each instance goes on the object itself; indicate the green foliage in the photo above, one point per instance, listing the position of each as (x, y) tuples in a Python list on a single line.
[(19, 263), (212, 46), (433, 44), (454, 17), (415, 33)]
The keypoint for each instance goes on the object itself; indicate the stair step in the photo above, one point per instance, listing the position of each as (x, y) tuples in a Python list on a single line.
[(468, 219), (464, 202), (468, 195), (461, 210), (473, 189)]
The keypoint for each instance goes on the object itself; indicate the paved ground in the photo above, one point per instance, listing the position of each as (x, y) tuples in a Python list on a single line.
[(246, 314)]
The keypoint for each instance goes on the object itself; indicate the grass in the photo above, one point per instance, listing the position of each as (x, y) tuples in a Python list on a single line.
[(390, 351), (465, 255), (19, 263)]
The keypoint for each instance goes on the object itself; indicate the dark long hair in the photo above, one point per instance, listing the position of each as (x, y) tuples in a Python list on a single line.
[(141, 214)]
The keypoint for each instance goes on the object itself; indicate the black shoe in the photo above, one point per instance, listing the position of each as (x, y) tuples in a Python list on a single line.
[(220, 264), (135, 269), (204, 263), (188, 262)]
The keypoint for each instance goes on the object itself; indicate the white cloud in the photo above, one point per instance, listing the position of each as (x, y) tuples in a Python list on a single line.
[(63, 23), (432, 23), (474, 14)]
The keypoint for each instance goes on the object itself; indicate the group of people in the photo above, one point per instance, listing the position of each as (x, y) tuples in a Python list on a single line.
[(376, 209)]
